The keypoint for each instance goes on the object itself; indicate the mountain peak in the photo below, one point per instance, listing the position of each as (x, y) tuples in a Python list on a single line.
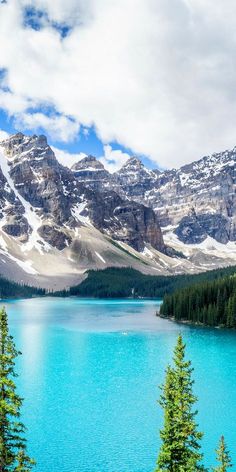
[(213, 164), (133, 162), (20, 147), (88, 162), (16, 142)]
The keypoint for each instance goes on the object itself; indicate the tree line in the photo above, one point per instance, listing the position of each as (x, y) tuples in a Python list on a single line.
[(9, 289), (125, 282), (115, 282), (211, 303)]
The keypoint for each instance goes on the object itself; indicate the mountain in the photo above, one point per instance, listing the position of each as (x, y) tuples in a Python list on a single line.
[(50, 203), (56, 222), (92, 173), (134, 179), (197, 200), (195, 204), (54, 226)]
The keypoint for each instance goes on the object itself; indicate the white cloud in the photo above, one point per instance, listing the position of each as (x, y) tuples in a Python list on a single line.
[(3, 135), (67, 158), (13, 103), (157, 76), (58, 127), (113, 159)]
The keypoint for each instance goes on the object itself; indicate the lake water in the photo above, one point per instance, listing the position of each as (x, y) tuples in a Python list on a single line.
[(90, 372)]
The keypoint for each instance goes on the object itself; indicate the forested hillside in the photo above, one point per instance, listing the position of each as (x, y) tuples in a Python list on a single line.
[(127, 282), (212, 303), (10, 289)]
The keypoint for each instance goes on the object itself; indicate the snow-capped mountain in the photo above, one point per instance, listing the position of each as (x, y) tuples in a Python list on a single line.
[(92, 173), (52, 202), (134, 179), (197, 201), (195, 204), (56, 222), (49, 217)]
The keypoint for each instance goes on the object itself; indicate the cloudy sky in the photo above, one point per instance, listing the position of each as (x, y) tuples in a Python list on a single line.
[(156, 78)]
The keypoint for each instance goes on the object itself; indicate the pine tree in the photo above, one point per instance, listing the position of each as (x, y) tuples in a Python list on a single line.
[(180, 450), (166, 459), (230, 315), (223, 457), (13, 456)]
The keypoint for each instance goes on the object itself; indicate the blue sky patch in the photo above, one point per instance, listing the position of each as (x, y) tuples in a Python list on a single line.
[(87, 140), (37, 19)]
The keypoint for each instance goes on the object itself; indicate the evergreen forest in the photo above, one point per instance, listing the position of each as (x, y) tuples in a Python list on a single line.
[(211, 303), (124, 282), (10, 289)]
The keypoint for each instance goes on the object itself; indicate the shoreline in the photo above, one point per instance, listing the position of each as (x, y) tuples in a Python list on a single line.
[(72, 297), (193, 323)]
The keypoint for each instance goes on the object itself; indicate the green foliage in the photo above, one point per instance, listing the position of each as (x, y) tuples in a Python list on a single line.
[(180, 449), (13, 456), (9, 289), (116, 282), (223, 457), (212, 303)]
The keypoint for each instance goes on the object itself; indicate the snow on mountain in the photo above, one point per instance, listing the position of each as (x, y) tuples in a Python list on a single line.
[(34, 221), (199, 198), (134, 179), (55, 222), (46, 211), (92, 173)]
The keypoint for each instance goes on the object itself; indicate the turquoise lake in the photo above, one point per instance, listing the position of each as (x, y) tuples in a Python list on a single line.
[(90, 372)]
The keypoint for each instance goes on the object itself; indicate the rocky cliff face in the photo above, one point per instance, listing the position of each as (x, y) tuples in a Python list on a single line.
[(92, 173), (12, 219), (198, 200), (202, 195), (44, 203), (194, 229), (134, 180), (45, 189), (126, 221)]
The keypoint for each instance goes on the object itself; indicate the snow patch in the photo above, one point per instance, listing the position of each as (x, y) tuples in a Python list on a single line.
[(147, 253), (33, 219), (77, 211), (7, 188), (26, 266), (3, 244), (100, 257), (209, 247)]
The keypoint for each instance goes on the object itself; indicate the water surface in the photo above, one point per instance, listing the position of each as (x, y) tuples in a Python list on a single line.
[(90, 372)]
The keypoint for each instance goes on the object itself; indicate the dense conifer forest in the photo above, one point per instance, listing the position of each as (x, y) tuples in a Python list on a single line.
[(127, 282), (10, 289), (212, 303), (122, 283)]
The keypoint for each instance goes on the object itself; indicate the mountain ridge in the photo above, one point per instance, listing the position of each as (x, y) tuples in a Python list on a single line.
[(56, 222), (186, 196)]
